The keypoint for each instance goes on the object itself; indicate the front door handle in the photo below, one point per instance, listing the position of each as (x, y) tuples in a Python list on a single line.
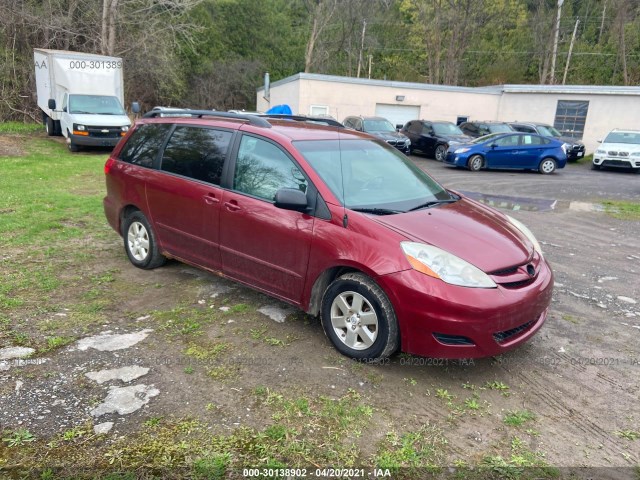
[(210, 198)]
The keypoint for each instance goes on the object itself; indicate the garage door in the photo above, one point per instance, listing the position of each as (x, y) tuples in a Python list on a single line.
[(397, 114)]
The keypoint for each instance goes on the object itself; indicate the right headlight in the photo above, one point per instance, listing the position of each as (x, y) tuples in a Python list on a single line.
[(438, 263)]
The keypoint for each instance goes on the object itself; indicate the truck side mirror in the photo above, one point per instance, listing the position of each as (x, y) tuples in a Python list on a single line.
[(135, 107), (51, 104)]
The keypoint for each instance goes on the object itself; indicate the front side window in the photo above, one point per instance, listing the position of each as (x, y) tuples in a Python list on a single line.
[(508, 141), (369, 174), (262, 169), (197, 153), (498, 128), (144, 143)]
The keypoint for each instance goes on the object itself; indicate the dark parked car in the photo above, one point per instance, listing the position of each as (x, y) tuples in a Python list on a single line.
[(333, 221), (382, 128), (480, 129), (575, 148), (433, 138), (512, 151)]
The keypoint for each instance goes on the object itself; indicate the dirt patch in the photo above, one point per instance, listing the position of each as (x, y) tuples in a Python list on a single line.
[(12, 145)]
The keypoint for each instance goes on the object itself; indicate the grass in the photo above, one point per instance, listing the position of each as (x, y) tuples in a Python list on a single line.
[(20, 127), (516, 418), (622, 210)]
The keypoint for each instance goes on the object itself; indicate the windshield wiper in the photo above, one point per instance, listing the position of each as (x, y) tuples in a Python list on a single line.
[(378, 211), (433, 203)]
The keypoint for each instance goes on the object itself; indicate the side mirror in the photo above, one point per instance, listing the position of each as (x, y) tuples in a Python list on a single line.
[(291, 199), (51, 104), (135, 107), (493, 145)]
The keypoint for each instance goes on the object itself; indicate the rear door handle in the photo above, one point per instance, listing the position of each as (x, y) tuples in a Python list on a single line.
[(210, 198), (232, 206)]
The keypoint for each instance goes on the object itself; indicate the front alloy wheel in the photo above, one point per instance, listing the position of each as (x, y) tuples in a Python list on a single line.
[(441, 153), (475, 163), (358, 318)]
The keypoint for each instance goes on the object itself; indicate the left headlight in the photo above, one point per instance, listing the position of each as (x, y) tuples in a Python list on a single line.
[(461, 150), (526, 232), (438, 263), (125, 128)]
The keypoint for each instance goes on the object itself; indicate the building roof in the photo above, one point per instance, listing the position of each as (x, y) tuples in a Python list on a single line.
[(490, 90)]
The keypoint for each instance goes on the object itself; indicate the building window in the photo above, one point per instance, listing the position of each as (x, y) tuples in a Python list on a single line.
[(318, 110), (571, 117)]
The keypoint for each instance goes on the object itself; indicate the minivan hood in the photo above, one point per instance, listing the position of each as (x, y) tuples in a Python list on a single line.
[(99, 120), (468, 230)]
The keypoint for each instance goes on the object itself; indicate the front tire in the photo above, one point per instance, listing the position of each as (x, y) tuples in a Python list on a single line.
[(140, 242), (358, 318), (441, 153), (547, 166), (475, 163), (595, 167)]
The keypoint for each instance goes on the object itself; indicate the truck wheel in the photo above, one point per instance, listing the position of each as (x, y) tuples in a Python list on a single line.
[(358, 318), (50, 126), (72, 146)]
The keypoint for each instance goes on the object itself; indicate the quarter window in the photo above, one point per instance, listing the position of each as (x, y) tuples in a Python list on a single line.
[(262, 169), (197, 153), (571, 117), (144, 143)]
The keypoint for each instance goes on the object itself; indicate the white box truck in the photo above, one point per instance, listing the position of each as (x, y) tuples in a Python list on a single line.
[(81, 97)]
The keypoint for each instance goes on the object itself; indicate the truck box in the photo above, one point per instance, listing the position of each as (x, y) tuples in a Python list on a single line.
[(81, 97)]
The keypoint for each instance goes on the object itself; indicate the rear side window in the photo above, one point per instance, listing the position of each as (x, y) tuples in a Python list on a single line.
[(144, 143), (262, 169), (197, 153), (533, 140)]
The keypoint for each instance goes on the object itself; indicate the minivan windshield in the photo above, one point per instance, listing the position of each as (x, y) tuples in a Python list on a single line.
[(95, 104), (369, 175)]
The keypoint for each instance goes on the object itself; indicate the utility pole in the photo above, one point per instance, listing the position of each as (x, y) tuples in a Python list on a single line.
[(604, 11), (552, 80), (573, 39), (364, 29)]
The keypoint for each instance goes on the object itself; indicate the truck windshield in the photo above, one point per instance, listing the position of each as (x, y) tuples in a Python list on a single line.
[(95, 104)]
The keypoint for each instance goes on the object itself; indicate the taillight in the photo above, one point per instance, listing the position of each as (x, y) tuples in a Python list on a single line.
[(108, 165)]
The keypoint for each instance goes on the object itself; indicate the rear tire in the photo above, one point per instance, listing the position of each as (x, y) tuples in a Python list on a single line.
[(50, 126), (140, 242), (358, 318), (475, 163), (547, 166)]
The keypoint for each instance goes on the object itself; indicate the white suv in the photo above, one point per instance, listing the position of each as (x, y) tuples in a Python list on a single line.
[(620, 148)]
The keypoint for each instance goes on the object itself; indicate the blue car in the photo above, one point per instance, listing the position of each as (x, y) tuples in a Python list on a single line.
[(511, 151)]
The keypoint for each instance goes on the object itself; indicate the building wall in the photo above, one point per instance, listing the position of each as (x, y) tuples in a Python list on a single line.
[(606, 112), (609, 107)]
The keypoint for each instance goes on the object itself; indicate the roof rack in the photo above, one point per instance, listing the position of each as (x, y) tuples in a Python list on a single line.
[(252, 119), (301, 118)]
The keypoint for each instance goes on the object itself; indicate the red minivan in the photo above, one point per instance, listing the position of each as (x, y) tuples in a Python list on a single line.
[(334, 222)]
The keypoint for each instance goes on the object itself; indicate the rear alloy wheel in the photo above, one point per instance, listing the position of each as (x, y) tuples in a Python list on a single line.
[(475, 163), (547, 166), (140, 242), (358, 318)]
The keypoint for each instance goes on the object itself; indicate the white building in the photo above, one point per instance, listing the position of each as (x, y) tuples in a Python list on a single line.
[(585, 112)]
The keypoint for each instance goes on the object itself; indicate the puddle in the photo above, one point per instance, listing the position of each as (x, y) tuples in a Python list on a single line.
[(507, 202)]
